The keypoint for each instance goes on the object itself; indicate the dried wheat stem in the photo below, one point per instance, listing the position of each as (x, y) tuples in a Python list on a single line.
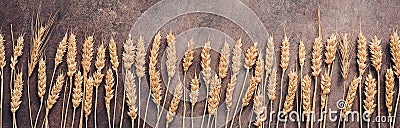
[(77, 95), (370, 92), (236, 66), (16, 97), (71, 58), (98, 75), (351, 95), (316, 67), (250, 60), (285, 56), (362, 52), (109, 93), (174, 103), (41, 86), (302, 59), (131, 95), (54, 95), (376, 54), (2, 64), (139, 66), (395, 52), (87, 52), (206, 71)]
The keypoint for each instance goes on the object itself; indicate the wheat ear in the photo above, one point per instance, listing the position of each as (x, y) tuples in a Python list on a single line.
[(271, 93), (174, 103), (88, 98), (344, 50), (236, 66), (77, 95), (288, 105), (87, 53), (389, 90), (54, 95), (259, 108), (285, 56), (370, 92), (17, 52), (2, 64), (250, 60), (326, 81), (206, 71), (139, 66), (98, 76), (171, 67), (39, 36), (109, 93), (62, 47), (316, 70), (362, 53), (128, 58), (306, 97), (71, 62), (395, 52), (351, 95), (187, 62), (330, 53), (214, 98), (194, 93), (224, 61), (302, 59), (112, 47), (269, 59), (41, 85), (376, 54), (16, 97), (258, 73), (155, 86), (131, 95)]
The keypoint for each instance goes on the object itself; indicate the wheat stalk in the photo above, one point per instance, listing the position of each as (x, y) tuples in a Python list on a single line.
[(206, 71), (2, 64), (236, 66), (54, 95), (376, 54), (87, 52), (98, 75), (302, 59), (171, 67), (285, 56), (370, 91), (154, 75), (71, 62), (288, 105), (77, 95), (174, 103), (362, 53), (395, 52), (306, 97), (131, 95), (109, 93), (351, 95), (316, 67), (41, 85), (214, 98), (224, 61), (139, 65), (16, 97), (88, 98)]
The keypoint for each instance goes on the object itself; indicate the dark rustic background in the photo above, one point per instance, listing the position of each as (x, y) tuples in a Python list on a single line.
[(104, 19)]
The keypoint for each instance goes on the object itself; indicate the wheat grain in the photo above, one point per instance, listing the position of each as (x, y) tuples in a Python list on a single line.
[(269, 56), (376, 51), (109, 93), (285, 55), (361, 53), (131, 94), (194, 88), (77, 96), (17, 51), (317, 57), (370, 91), (251, 56), (129, 53), (302, 53), (2, 52), (306, 93), (189, 56), (71, 55), (171, 55), (330, 48), (288, 105), (389, 89), (42, 78), (55, 92), (351, 95), (88, 97), (112, 47), (272, 86), (87, 55), (174, 103), (100, 59), (16, 93), (62, 47), (206, 63), (325, 87), (395, 51), (140, 58), (236, 57), (258, 108), (344, 49), (259, 70), (215, 96), (155, 85), (224, 61), (250, 91)]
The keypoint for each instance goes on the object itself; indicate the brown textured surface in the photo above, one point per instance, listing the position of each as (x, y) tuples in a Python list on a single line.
[(115, 17)]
